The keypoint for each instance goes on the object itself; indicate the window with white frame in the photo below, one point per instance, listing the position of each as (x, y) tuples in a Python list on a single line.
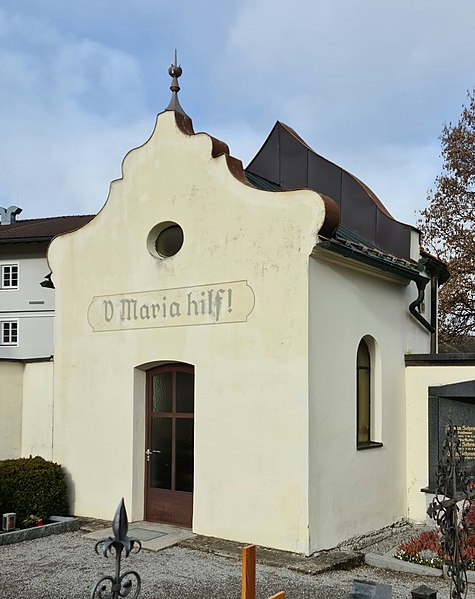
[(9, 332), (368, 395), (9, 276)]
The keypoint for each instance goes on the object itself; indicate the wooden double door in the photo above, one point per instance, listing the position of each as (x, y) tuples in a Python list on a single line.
[(169, 444)]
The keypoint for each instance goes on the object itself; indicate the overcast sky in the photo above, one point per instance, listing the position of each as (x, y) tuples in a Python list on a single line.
[(367, 83)]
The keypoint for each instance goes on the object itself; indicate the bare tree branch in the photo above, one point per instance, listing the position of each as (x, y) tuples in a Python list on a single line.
[(448, 228)]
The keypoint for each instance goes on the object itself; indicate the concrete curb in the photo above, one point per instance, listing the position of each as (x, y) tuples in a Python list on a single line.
[(388, 562), (56, 525)]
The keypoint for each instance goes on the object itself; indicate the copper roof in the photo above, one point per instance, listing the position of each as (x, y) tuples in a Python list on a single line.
[(287, 161), (41, 229)]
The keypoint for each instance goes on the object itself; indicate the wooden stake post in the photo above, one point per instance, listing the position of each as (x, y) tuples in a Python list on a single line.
[(249, 574)]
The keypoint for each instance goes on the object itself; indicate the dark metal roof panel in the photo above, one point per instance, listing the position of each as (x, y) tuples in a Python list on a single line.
[(324, 175), (293, 162), (289, 162), (266, 163)]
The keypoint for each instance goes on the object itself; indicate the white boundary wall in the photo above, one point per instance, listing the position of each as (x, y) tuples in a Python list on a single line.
[(11, 399), (26, 409), (418, 381)]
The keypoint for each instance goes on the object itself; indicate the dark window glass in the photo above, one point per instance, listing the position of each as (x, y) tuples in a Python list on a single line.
[(170, 440), (9, 333), (169, 241), (14, 276), (161, 463), (363, 394), (10, 276), (162, 392), (184, 454), (184, 392)]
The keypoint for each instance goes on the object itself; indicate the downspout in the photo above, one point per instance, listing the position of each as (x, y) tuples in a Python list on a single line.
[(434, 285), (439, 275), (421, 285)]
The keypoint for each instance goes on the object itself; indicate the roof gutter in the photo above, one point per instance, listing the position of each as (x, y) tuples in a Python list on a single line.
[(371, 260), (7, 240), (385, 266)]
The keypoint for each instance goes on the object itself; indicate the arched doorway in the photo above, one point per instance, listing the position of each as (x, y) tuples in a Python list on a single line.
[(169, 444)]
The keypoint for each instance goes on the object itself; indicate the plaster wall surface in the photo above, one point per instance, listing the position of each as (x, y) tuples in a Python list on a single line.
[(37, 413), (31, 305), (418, 381), (35, 336), (11, 395), (362, 490), (249, 356)]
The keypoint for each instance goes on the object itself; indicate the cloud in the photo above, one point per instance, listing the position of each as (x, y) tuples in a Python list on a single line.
[(354, 59), (71, 108), (66, 172), (365, 83)]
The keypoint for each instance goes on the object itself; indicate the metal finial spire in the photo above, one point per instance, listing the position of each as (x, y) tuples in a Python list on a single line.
[(175, 71)]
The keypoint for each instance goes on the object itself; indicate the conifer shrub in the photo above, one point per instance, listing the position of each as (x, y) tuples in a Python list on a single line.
[(32, 487)]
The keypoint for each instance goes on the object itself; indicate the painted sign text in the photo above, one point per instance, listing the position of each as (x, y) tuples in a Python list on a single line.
[(183, 306)]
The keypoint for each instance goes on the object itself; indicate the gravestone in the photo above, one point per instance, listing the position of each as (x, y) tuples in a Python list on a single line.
[(453, 404), (367, 589)]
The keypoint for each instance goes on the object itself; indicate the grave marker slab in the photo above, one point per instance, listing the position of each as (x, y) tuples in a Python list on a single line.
[(451, 404), (367, 589)]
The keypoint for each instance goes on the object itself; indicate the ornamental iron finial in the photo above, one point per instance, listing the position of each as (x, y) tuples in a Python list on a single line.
[(119, 585), (175, 71)]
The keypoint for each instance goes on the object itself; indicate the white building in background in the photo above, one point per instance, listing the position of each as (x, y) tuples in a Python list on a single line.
[(26, 300), (229, 346)]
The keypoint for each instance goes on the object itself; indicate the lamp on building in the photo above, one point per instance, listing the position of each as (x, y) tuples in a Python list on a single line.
[(9, 521)]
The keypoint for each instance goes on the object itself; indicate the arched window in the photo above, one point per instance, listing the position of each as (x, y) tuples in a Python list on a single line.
[(368, 408), (363, 394)]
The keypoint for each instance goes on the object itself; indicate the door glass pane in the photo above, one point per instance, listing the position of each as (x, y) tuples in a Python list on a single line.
[(161, 463), (162, 392), (184, 454), (184, 392)]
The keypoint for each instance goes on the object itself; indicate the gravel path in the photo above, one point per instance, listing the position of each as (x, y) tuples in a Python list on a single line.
[(66, 566)]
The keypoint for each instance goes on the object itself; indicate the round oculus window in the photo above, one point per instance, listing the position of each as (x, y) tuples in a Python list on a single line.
[(165, 240)]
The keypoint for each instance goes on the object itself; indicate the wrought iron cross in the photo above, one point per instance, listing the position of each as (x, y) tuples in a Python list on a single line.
[(449, 512)]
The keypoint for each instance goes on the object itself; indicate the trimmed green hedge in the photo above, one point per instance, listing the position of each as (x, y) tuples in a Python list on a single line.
[(32, 487)]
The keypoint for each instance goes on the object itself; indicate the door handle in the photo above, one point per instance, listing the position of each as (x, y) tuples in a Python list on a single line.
[(149, 452)]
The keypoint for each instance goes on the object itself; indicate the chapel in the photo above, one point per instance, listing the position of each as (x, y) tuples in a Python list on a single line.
[(230, 346)]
